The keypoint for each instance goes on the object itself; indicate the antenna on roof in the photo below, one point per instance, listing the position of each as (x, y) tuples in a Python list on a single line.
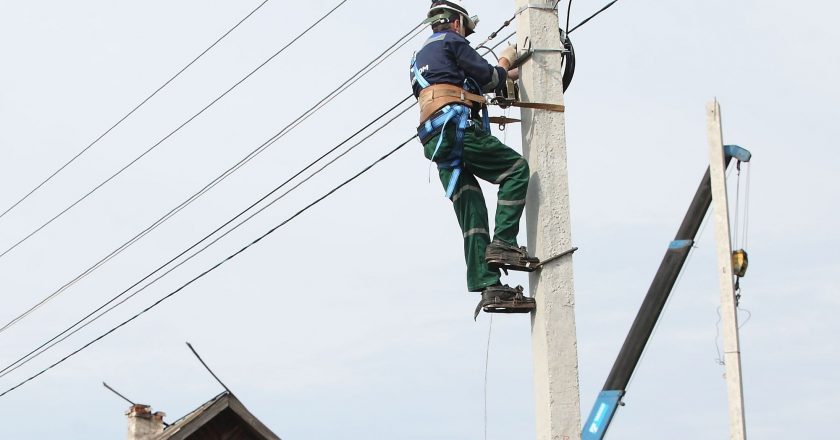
[(128, 400), (117, 393), (208, 369)]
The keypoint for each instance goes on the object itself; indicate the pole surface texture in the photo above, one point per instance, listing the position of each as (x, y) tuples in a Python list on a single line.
[(553, 334), (728, 308)]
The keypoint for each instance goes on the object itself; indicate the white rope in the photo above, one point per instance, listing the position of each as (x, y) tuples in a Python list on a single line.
[(486, 365)]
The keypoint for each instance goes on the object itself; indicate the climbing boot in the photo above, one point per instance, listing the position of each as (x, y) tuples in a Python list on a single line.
[(504, 299), (500, 255)]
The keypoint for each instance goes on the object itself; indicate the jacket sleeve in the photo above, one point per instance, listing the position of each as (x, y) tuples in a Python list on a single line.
[(489, 78)]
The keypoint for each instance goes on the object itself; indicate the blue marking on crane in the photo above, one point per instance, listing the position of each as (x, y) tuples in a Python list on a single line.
[(679, 244), (601, 415), (737, 152)]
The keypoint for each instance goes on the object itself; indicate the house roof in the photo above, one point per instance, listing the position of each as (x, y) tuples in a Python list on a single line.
[(223, 414)]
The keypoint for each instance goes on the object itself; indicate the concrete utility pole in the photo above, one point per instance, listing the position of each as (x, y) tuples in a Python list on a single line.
[(728, 308), (553, 334)]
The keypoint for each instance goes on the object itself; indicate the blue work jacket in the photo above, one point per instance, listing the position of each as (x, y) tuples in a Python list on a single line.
[(447, 58)]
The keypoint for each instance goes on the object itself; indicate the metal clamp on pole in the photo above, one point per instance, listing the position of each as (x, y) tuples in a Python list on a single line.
[(543, 6)]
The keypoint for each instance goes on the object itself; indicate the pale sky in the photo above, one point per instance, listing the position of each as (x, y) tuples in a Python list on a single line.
[(353, 321)]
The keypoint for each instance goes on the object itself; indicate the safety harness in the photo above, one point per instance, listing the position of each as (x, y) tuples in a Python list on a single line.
[(440, 104)]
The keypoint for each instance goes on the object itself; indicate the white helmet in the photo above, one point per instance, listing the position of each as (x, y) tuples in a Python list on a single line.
[(438, 14)]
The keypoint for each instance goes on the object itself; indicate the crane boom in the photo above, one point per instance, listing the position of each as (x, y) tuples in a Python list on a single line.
[(625, 364)]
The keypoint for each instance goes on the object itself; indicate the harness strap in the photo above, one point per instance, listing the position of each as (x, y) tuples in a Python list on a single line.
[(453, 161), (440, 103), (437, 126), (418, 77)]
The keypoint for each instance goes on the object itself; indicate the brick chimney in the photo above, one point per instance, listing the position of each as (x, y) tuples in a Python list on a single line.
[(142, 424)]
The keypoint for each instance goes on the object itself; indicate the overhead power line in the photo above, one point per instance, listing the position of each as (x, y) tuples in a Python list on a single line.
[(376, 61), (150, 149), (137, 107), (24, 359), (101, 310), (214, 267), (592, 16), (568, 14), (75, 327)]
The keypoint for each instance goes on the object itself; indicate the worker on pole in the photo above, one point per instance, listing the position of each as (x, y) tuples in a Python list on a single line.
[(448, 78)]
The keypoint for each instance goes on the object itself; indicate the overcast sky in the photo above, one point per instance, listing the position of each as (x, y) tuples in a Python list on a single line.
[(353, 321)]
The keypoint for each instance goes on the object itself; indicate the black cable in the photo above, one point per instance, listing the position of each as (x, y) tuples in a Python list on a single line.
[(353, 79), (592, 16), (60, 169), (73, 329), (212, 268), (568, 14), (23, 360), (250, 156), (568, 63), (132, 162), (495, 33)]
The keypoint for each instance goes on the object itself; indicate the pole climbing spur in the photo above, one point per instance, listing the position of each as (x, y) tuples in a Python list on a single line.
[(500, 255), (504, 299), (503, 256)]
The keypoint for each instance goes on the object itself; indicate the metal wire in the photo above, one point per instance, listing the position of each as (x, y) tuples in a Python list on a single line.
[(212, 268), (486, 369), (747, 208), (99, 312), (242, 162), (158, 143), (126, 116), (737, 219), (53, 341), (591, 16), (568, 14)]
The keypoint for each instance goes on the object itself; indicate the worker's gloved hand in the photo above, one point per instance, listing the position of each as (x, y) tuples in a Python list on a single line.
[(509, 53)]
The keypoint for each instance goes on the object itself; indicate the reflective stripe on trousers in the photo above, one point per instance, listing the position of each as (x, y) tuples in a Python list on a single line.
[(486, 158)]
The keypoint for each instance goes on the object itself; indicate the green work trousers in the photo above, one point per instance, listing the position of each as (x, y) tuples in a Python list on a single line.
[(489, 159)]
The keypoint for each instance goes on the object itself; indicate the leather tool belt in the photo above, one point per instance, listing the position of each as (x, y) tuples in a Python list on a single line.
[(437, 96)]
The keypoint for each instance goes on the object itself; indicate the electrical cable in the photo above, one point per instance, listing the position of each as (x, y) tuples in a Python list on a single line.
[(592, 16), (177, 209), (719, 359), (127, 115), (212, 268), (747, 208), (486, 369), (250, 156), (73, 329), (495, 33), (749, 316), (737, 219), (568, 13), (13, 366), (135, 160)]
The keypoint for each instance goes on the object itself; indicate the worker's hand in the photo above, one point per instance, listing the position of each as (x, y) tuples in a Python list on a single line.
[(513, 74), (510, 54)]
